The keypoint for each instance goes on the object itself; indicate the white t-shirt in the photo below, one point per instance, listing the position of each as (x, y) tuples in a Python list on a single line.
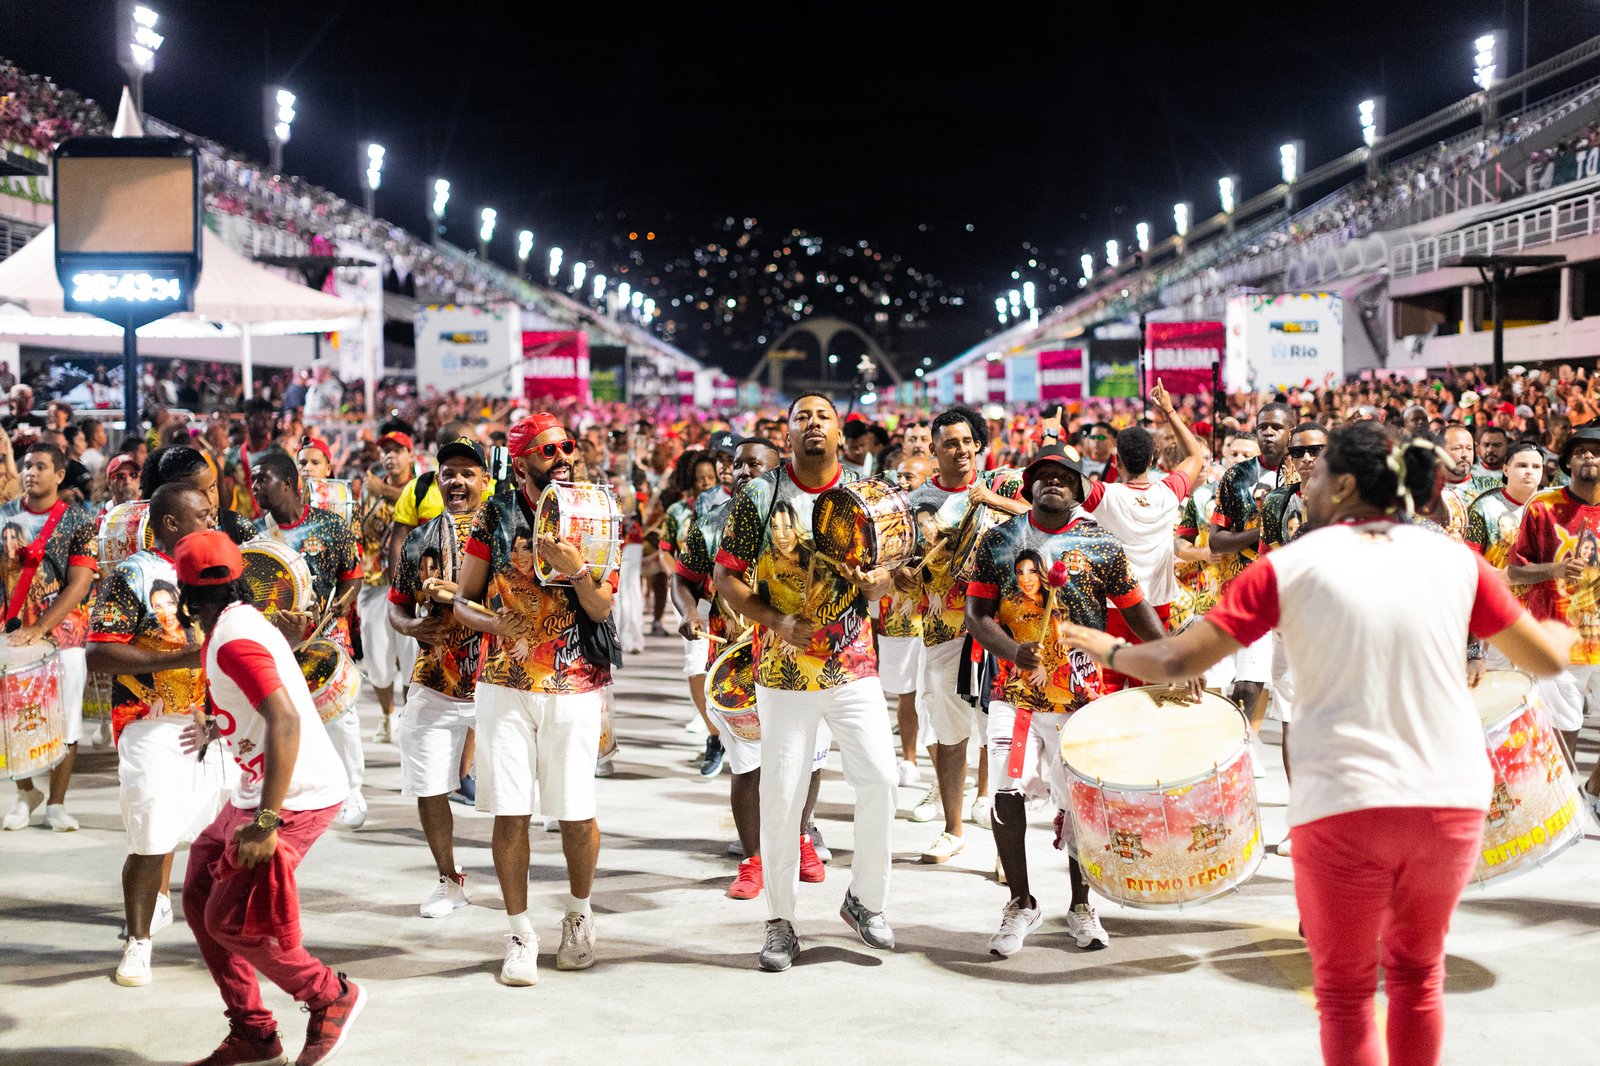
[(1143, 518), (246, 660), (1375, 618)]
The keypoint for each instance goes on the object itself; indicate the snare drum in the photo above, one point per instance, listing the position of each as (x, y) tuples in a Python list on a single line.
[(584, 514), (277, 575), (979, 519), (332, 677), (97, 697), (608, 734), (1163, 797), (32, 725), (332, 494), (731, 689), (1535, 813), (866, 524), (124, 530)]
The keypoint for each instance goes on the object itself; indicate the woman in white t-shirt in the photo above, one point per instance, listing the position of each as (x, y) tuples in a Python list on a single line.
[(1392, 775)]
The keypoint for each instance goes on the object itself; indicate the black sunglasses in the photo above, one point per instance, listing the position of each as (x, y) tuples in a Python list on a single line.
[(920, 423), (565, 447), (1303, 451)]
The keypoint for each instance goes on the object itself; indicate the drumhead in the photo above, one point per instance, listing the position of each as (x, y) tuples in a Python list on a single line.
[(1499, 693), (1132, 738), (278, 578), (731, 684), (319, 662), (18, 656)]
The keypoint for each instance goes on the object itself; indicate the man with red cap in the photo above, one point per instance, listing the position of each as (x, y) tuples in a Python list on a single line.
[(540, 690), (385, 654), (240, 892)]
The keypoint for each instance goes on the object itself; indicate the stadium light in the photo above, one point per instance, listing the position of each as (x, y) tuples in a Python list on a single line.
[(1112, 248), (624, 294), (441, 197), (1029, 296), (1000, 308), (555, 263), (1225, 191), (1015, 299), (1486, 60), (1370, 112), (1088, 265), (579, 271), (486, 219), (279, 113), (1141, 236), (1180, 217), (636, 300), (1289, 157), (371, 157), (137, 45), (524, 245), (649, 309), (599, 286)]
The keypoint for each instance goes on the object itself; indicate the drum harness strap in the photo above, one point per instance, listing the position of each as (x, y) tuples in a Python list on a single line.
[(34, 554)]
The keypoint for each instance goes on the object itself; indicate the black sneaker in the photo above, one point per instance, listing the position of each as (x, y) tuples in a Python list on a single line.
[(781, 947), (711, 765)]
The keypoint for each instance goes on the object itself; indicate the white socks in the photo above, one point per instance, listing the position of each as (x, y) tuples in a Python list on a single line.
[(579, 906), (521, 925)]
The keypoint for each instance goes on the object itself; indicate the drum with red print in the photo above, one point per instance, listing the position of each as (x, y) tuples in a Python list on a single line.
[(32, 724)]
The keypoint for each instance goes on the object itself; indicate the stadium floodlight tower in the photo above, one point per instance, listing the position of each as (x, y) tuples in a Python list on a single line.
[(137, 45), (371, 157), (277, 107), (1485, 70), (436, 206), (486, 219), (1087, 261), (1000, 308), (579, 271), (1113, 254), (1227, 189), (1182, 212), (1370, 113), (1291, 157), (555, 263), (524, 249)]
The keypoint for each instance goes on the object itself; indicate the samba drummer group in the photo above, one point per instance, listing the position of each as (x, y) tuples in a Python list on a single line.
[(999, 609)]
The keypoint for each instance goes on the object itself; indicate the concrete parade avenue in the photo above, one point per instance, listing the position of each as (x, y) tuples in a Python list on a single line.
[(676, 978)]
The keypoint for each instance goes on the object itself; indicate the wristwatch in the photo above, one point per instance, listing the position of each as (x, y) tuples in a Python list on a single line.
[(267, 819)]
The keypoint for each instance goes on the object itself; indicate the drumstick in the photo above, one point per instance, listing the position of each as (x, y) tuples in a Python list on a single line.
[(701, 634), (446, 596)]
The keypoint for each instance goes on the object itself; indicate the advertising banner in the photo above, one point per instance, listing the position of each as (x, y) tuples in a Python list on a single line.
[(360, 351), (997, 383), (975, 384), (1182, 354), (608, 365), (1576, 166), (1061, 376), (1114, 368), (555, 365), (685, 395), (1022, 378), (469, 349), (947, 389), (725, 393), (1287, 339)]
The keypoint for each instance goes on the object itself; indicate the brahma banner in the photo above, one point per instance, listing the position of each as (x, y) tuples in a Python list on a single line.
[(1182, 355), (1061, 376), (555, 365)]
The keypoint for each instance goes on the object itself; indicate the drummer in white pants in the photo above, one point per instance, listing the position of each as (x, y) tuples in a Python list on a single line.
[(630, 594), (385, 654), (167, 795)]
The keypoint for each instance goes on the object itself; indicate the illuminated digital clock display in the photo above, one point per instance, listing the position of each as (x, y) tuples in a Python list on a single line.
[(126, 286)]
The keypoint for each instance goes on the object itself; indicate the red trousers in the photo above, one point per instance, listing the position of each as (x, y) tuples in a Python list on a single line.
[(234, 959), (1116, 627), (1379, 886)]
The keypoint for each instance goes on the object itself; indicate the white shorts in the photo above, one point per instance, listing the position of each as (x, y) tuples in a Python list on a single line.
[(1043, 773), (537, 740), (1280, 698), (899, 664), (167, 796), (695, 653), (952, 718), (74, 676), (1254, 663), (745, 755), (1565, 694), (431, 730), (380, 651)]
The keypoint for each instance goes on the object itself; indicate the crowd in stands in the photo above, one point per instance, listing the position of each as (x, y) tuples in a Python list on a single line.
[(37, 113)]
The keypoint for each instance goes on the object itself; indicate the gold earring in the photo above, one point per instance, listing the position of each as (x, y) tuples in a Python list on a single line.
[(1337, 500)]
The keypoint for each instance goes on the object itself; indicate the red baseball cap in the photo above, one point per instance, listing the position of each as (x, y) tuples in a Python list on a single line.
[(520, 439), (208, 557), (118, 462), (398, 439), (319, 445)]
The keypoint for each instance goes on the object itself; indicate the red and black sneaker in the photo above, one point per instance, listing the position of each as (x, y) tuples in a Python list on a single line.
[(242, 1049), (328, 1027), (812, 872)]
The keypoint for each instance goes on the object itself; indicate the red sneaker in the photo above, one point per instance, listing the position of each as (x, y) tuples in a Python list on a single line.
[(328, 1027), (812, 872), (748, 884), (240, 1049)]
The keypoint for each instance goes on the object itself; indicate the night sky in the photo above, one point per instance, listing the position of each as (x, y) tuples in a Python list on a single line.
[(956, 149)]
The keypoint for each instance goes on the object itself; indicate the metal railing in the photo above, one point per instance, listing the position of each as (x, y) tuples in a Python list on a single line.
[(1536, 227), (14, 234)]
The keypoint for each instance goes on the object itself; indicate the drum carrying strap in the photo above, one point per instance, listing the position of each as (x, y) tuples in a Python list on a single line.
[(1019, 741), (33, 555)]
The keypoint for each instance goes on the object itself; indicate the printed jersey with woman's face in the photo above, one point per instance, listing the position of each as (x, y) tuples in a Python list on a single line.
[(1283, 516), (137, 604), (779, 553), (326, 542), (1492, 523), (697, 560), (1239, 497), (71, 543), (1199, 584), (374, 516), (1557, 525), (948, 544), (433, 550), (1013, 568), (544, 651)]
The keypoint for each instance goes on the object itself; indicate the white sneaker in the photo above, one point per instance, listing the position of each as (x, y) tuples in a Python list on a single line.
[(521, 967), (577, 942), (552, 825), (695, 725), (353, 814), (1258, 756), (929, 807), (1084, 926), (134, 969), (1016, 922), (944, 849), (385, 734), (23, 809), (162, 916), (57, 818), (982, 811), (908, 774), (448, 895)]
